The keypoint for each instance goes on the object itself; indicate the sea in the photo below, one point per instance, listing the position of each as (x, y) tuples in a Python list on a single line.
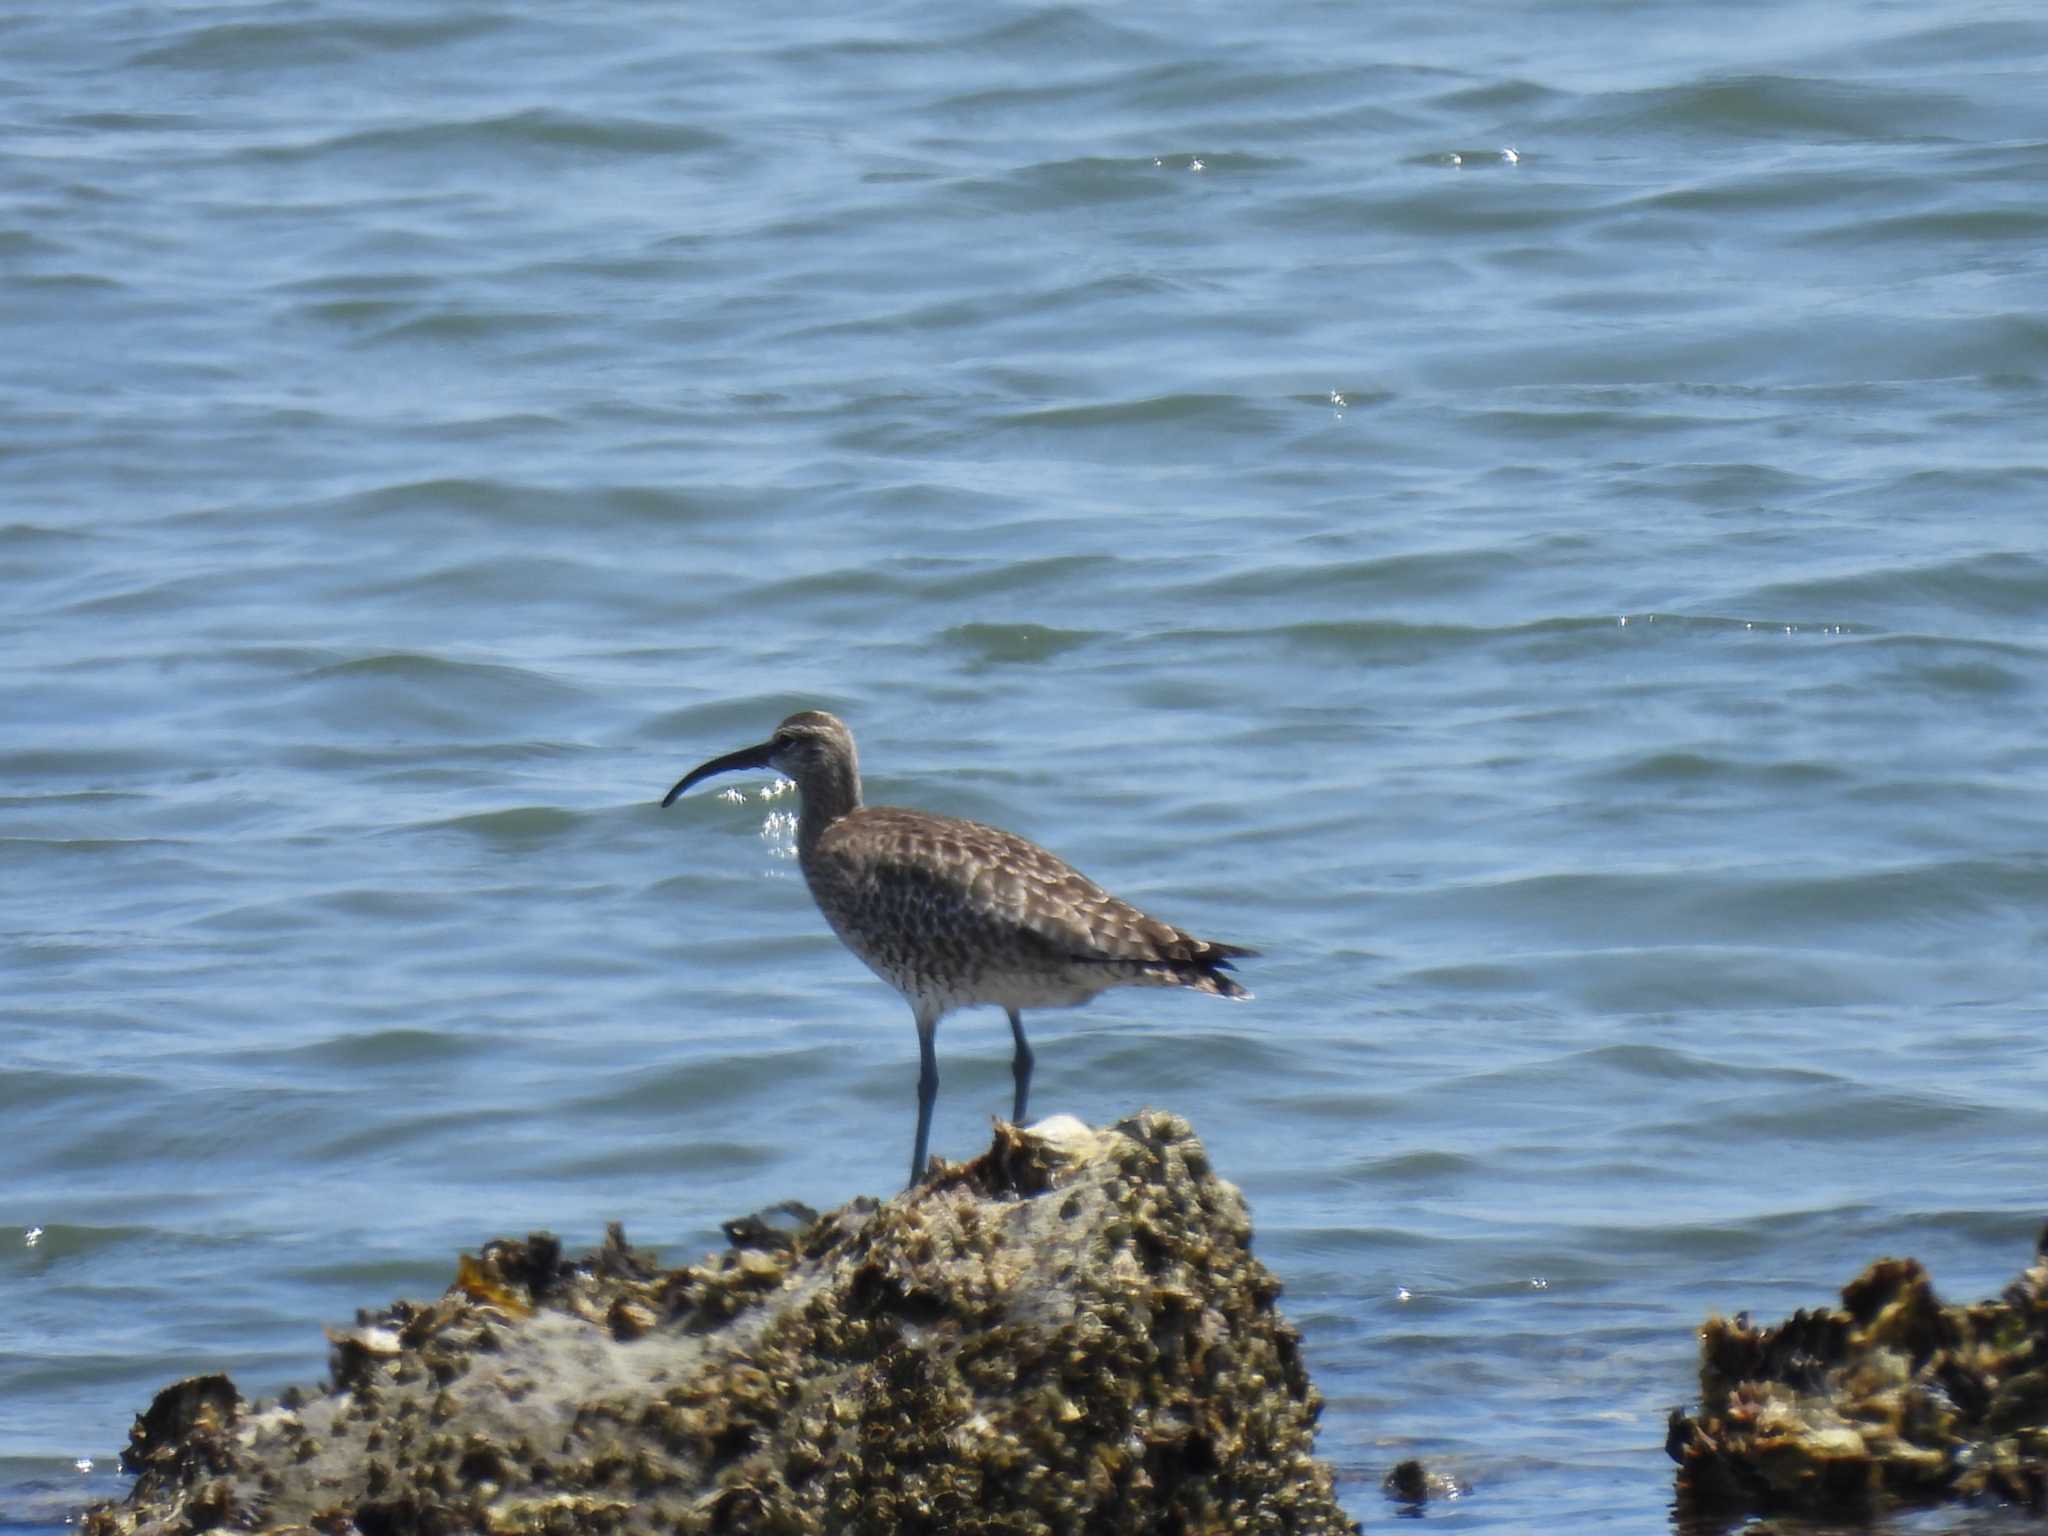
[(1534, 516)]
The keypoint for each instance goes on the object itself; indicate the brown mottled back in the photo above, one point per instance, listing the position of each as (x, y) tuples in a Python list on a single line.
[(940, 906)]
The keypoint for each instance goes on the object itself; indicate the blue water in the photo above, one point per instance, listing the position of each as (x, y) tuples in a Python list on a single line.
[(1580, 612)]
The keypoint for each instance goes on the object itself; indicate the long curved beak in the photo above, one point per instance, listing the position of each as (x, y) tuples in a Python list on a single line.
[(746, 757)]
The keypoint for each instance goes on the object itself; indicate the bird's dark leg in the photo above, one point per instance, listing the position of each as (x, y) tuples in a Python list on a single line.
[(927, 1091), (1020, 1067)]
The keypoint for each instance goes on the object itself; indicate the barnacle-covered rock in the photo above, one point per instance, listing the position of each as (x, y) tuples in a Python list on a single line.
[(1894, 1398), (1067, 1334)]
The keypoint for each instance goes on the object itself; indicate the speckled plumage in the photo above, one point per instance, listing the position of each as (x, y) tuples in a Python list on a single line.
[(963, 913), (954, 913)]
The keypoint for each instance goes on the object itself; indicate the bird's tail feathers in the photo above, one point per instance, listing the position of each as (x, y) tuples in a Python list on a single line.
[(1218, 985), (1205, 972), (1201, 966)]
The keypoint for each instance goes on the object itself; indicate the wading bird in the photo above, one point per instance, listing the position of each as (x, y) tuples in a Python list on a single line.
[(953, 913)]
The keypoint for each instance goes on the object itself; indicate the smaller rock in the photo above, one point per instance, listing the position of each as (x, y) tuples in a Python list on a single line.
[(1406, 1481), (1895, 1398), (1411, 1482), (776, 1228)]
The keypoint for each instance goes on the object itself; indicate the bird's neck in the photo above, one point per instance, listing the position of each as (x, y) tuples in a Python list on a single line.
[(828, 794)]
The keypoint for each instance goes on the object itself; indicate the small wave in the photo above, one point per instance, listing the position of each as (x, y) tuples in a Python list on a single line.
[(2007, 585), (521, 827), (1808, 109), (267, 47), (537, 132), (1015, 644)]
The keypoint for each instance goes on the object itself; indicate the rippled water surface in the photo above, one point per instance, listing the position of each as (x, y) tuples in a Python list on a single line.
[(1580, 611)]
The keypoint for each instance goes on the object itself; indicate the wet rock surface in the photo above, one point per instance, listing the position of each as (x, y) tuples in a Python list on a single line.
[(1067, 1334), (1894, 1398)]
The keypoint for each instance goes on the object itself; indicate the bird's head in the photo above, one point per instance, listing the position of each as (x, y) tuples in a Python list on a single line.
[(811, 747)]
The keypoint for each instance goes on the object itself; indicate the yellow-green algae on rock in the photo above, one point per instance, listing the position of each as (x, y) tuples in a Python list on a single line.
[(1068, 1334), (1894, 1398)]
